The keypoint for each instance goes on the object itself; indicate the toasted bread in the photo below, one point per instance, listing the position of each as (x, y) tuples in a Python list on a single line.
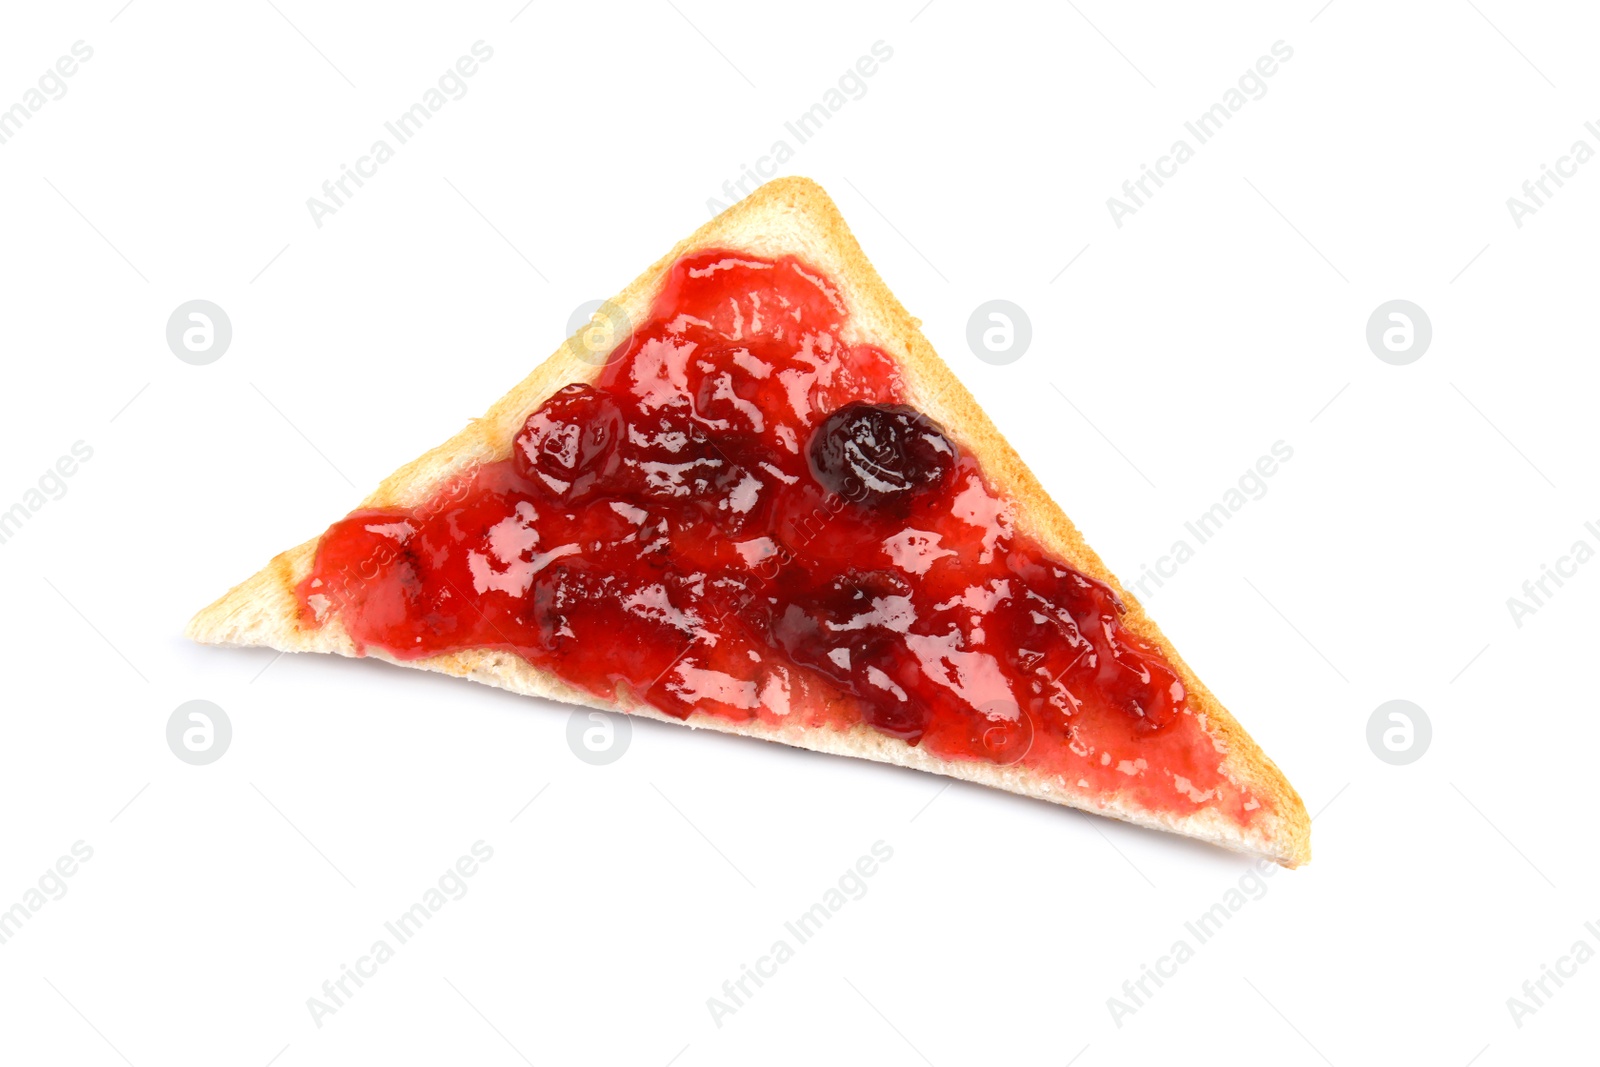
[(791, 216)]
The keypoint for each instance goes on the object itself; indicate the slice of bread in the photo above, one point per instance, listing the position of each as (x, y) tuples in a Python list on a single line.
[(792, 216)]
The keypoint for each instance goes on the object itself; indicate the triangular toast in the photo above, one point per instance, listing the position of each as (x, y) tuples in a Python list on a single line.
[(793, 217)]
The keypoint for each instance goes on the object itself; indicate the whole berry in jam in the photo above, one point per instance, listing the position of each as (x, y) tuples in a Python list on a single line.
[(849, 629), (880, 454), (570, 444)]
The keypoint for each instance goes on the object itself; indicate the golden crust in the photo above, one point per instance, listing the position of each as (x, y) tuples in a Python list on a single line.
[(792, 216)]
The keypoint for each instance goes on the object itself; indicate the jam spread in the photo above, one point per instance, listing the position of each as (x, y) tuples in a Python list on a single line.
[(742, 517)]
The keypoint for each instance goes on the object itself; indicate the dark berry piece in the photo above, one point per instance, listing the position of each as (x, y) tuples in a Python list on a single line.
[(880, 454), (850, 630), (570, 443)]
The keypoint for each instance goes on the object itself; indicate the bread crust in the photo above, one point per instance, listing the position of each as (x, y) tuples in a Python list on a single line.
[(791, 216)]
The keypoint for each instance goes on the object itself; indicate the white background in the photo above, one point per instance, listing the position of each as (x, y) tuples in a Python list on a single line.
[(1226, 315)]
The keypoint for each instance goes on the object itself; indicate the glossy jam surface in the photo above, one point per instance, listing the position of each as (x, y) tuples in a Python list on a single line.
[(741, 517)]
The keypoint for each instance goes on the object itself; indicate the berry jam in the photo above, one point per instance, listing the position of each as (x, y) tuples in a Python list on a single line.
[(742, 517)]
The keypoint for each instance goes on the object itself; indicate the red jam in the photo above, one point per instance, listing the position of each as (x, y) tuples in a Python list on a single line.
[(741, 518)]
